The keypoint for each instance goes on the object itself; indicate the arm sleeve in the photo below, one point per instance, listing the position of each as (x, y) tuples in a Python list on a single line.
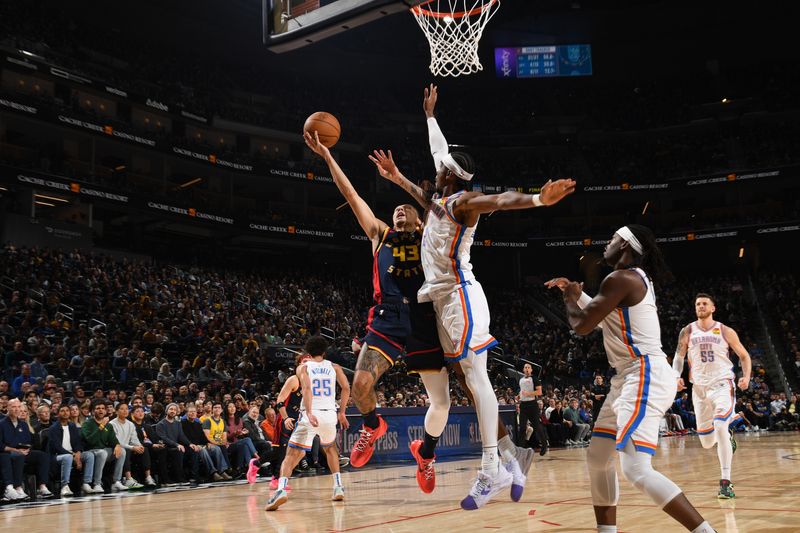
[(584, 300), (437, 141)]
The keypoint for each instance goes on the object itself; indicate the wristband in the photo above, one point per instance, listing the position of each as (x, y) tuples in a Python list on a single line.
[(536, 200)]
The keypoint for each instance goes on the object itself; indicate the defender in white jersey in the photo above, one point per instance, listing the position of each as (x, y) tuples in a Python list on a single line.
[(458, 299), (707, 344), (644, 385), (318, 416)]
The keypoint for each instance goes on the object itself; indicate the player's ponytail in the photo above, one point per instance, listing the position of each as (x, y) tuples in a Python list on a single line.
[(651, 260)]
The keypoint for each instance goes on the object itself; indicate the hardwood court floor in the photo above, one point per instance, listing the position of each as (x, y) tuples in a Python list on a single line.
[(766, 475)]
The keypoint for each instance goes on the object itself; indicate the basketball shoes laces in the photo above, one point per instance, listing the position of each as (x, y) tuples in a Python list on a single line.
[(485, 488), (365, 445), (426, 474)]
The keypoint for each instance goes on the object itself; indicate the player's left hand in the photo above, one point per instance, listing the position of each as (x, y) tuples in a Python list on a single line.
[(385, 164), (561, 283), (312, 141), (744, 383), (554, 191), (343, 420), (312, 419)]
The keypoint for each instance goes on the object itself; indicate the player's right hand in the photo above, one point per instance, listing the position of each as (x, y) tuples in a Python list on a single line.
[(429, 102), (343, 420), (312, 419), (289, 423), (681, 384), (312, 141)]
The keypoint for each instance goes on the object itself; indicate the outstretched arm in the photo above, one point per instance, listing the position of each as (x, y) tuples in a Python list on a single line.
[(436, 138), (733, 341), (388, 169), (372, 226), (477, 204)]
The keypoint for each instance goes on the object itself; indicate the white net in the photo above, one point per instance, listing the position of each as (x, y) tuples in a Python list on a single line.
[(454, 29)]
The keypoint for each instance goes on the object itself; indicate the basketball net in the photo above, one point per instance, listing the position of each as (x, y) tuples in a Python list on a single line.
[(454, 29)]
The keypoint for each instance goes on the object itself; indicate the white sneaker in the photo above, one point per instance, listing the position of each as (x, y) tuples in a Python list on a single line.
[(519, 479), (87, 489), (44, 492), (279, 498), (118, 487), (98, 489), (485, 488), (11, 493), (132, 484), (66, 492), (149, 481), (22, 494), (338, 494)]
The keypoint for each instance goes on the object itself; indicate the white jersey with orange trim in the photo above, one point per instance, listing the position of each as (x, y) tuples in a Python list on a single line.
[(323, 385), (708, 354), (445, 250), (632, 332)]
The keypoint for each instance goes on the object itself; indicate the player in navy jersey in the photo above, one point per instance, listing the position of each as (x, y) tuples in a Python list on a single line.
[(397, 326)]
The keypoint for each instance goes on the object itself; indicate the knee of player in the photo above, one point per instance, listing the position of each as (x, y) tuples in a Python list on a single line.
[(708, 441), (636, 467)]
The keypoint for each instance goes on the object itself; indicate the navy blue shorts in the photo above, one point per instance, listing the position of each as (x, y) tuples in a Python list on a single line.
[(407, 331)]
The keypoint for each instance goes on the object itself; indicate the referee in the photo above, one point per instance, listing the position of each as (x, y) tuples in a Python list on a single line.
[(529, 391)]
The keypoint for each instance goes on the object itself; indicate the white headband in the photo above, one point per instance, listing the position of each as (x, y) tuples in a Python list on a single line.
[(628, 236), (452, 165)]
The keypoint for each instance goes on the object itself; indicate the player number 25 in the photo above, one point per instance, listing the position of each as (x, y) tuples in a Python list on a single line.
[(408, 252), (320, 387)]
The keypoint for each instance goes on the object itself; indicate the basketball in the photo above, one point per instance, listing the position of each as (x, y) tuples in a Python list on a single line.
[(326, 125)]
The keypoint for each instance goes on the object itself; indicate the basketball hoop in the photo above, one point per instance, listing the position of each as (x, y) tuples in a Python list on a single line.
[(454, 29)]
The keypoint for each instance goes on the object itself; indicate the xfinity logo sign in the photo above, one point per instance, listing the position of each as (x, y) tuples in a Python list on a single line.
[(157, 105)]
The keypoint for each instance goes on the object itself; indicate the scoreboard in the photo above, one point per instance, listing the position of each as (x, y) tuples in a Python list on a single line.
[(544, 61)]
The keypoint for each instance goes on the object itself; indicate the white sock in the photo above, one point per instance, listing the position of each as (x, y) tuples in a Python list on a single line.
[(705, 527), (507, 449), (490, 462), (282, 482), (724, 449), (606, 529), (337, 479)]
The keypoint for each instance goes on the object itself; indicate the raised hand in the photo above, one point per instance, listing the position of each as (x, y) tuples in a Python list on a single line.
[(312, 141), (429, 102), (561, 283), (385, 164), (554, 191)]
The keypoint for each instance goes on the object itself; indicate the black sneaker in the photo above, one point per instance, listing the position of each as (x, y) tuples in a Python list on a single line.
[(303, 465), (733, 439), (725, 490), (543, 449)]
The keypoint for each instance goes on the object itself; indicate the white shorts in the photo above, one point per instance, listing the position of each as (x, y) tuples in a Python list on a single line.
[(713, 402), (638, 399), (303, 435), (463, 321)]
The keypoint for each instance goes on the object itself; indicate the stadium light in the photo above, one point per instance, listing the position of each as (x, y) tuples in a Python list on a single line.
[(741, 252), (54, 198)]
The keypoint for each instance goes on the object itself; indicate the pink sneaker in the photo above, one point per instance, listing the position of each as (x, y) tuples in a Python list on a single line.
[(273, 484), (252, 471)]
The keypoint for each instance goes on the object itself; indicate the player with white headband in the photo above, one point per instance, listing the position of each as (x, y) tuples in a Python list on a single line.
[(452, 216), (644, 385)]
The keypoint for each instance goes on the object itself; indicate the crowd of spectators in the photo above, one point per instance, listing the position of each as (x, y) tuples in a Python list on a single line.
[(99, 342)]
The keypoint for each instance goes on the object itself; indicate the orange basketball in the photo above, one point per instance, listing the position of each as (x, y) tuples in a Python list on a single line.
[(326, 126)]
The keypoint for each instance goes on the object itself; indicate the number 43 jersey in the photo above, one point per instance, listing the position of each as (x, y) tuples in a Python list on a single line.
[(323, 384), (708, 355)]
